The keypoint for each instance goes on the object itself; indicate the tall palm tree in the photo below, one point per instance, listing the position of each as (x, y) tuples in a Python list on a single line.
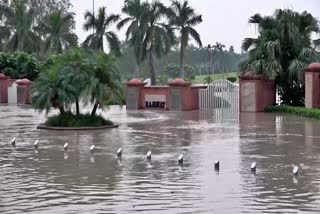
[(157, 38), (57, 30), (134, 9), (20, 20), (282, 50), (218, 49), (100, 25), (184, 18)]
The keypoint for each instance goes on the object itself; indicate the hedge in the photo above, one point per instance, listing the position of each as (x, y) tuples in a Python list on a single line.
[(300, 111), (84, 120), (19, 65)]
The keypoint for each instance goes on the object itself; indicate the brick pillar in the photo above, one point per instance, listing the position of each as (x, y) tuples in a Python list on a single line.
[(4, 84), (23, 90), (312, 86), (134, 98), (256, 93)]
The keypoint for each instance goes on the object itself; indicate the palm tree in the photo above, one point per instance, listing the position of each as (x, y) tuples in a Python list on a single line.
[(184, 18), (75, 63), (135, 10), (20, 20), (218, 49), (100, 25), (57, 30), (157, 38), (282, 49), (53, 90), (104, 85)]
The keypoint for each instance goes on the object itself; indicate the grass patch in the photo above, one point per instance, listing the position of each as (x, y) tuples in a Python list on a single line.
[(300, 111), (202, 79), (70, 120)]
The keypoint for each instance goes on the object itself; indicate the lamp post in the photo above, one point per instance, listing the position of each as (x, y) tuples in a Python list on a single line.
[(93, 15)]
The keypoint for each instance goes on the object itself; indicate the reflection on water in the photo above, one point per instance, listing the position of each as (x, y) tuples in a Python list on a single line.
[(51, 180)]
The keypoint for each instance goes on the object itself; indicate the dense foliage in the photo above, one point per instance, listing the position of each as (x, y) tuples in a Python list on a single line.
[(75, 76), (282, 50), (70, 120), (310, 113), (200, 59), (31, 25), (19, 65)]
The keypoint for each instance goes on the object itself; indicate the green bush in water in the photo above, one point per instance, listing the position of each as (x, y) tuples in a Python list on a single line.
[(68, 119), (300, 111)]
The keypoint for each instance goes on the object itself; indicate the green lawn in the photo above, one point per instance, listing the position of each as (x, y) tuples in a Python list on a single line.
[(201, 79)]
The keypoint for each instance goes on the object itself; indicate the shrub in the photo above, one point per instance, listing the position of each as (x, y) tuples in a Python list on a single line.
[(19, 65), (232, 79), (67, 119), (9, 72), (208, 79), (300, 111)]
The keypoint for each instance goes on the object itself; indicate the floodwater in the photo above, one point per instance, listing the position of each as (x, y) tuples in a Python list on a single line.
[(52, 181)]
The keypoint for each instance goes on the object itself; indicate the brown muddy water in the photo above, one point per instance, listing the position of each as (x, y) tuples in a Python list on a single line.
[(52, 181)]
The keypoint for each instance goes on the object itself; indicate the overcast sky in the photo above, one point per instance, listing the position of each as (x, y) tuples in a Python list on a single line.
[(224, 21)]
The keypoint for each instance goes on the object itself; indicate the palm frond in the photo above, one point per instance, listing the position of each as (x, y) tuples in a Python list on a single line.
[(114, 43), (195, 35), (248, 43)]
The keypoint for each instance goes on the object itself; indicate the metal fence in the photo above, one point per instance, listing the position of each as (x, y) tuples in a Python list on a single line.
[(220, 94)]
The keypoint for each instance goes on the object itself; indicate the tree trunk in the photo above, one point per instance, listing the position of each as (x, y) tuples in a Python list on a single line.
[(137, 71), (61, 109), (182, 61), (152, 67), (77, 107), (94, 110)]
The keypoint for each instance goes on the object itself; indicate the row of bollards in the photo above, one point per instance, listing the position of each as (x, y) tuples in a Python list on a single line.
[(253, 166)]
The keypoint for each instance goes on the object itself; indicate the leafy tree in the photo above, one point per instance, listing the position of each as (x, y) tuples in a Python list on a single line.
[(173, 71), (184, 18), (43, 8), (57, 31), (281, 51), (18, 19), (100, 24)]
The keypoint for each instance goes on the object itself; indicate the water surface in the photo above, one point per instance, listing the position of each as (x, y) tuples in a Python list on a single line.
[(52, 181)]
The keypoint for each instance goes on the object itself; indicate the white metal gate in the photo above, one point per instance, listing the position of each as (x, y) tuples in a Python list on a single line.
[(220, 94)]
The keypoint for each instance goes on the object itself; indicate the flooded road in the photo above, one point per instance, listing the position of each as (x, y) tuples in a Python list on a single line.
[(52, 181)]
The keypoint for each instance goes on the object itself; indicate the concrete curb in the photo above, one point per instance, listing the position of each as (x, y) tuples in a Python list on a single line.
[(45, 127)]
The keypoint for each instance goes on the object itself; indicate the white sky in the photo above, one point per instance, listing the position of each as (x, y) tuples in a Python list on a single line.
[(224, 21)]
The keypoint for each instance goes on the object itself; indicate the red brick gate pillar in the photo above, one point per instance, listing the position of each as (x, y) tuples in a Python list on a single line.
[(256, 93), (4, 84), (312, 86)]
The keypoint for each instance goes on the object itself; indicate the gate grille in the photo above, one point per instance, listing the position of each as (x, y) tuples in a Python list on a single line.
[(220, 94)]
